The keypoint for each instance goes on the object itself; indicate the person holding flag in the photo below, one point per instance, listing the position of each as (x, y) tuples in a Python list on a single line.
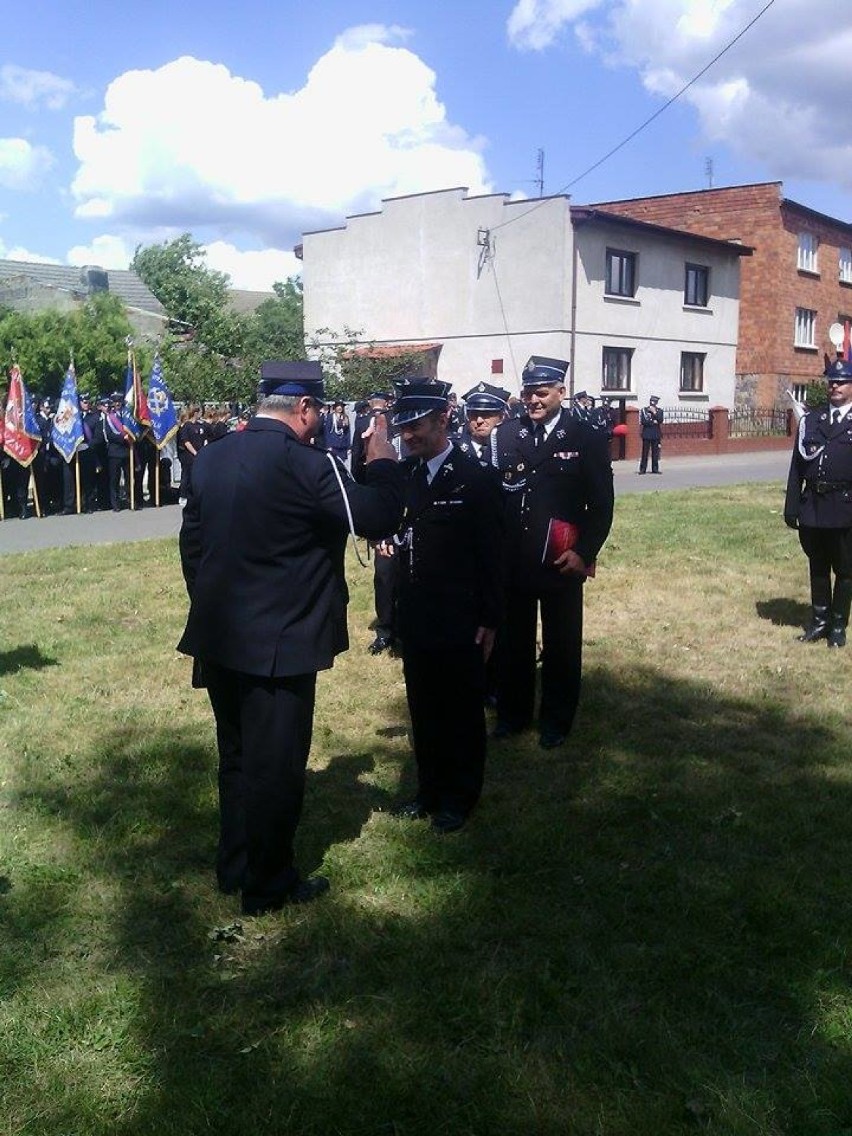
[(21, 439), (135, 419), (163, 418), (67, 437)]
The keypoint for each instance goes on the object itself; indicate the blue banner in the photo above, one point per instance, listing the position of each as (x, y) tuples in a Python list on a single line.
[(164, 418), (67, 430)]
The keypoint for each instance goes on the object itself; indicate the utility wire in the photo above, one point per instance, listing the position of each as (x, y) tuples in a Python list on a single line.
[(647, 121)]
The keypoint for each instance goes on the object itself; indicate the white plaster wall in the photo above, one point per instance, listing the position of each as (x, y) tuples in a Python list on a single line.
[(415, 272), (656, 323)]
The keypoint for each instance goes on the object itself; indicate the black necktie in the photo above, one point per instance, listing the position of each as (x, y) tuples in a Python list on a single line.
[(835, 417), (538, 433), (418, 489)]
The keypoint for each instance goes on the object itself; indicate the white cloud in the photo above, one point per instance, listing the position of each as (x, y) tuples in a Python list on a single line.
[(535, 24), (34, 88), (782, 95), (191, 145), (107, 251), (22, 165), (256, 271), (17, 252)]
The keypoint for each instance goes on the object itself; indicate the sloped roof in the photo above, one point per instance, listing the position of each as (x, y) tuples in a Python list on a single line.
[(67, 278), (243, 301)]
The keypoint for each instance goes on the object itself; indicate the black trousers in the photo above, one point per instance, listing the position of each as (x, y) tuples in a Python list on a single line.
[(561, 658), (445, 690), (263, 732), (650, 446), (385, 586), (828, 551)]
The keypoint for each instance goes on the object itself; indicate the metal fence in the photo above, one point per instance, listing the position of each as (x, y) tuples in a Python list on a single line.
[(757, 422), (685, 422)]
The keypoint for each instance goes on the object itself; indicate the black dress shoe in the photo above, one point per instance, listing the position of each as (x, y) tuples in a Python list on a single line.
[(445, 822), (506, 730), (379, 645), (550, 739), (413, 810), (305, 891)]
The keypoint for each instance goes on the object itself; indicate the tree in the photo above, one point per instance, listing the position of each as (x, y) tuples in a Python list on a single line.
[(43, 342), (276, 328), (194, 296), (354, 368)]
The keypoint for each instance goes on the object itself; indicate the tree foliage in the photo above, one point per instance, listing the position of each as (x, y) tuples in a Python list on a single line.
[(354, 368), (43, 343)]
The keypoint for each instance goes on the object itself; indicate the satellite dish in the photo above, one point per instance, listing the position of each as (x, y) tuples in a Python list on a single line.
[(835, 334)]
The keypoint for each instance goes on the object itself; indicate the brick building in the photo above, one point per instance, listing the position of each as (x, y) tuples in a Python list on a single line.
[(797, 283)]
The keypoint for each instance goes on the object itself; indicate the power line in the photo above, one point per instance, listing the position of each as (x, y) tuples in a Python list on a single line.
[(647, 121)]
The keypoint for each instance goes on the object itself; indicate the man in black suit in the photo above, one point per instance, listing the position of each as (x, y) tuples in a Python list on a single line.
[(450, 601), (819, 505), (555, 469), (262, 544)]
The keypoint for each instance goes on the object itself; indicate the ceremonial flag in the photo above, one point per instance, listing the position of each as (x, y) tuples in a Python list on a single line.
[(67, 430), (21, 435), (164, 419), (129, 418)]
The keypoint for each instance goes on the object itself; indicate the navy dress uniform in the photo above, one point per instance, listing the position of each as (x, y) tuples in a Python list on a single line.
[(262, 549), (819, 504), (485, 408), (450, 603), (553, 468), (651, 429)]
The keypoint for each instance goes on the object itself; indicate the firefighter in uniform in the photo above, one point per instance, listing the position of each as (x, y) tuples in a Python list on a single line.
[(819, 505), (556, 471)]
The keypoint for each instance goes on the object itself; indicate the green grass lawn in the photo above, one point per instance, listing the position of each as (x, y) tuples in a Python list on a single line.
[(643, 935)]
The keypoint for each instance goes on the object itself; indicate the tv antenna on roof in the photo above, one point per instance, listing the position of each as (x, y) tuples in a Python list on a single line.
[(708, 170)]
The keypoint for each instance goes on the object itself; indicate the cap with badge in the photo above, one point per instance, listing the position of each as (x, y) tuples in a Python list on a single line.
[(116, 396), (541, 370), (840, 371), (291, 377), (580, 395), (654, 399), (486, 399), (415, 398)]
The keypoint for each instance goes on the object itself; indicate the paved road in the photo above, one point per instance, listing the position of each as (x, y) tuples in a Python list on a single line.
[(146, 524)]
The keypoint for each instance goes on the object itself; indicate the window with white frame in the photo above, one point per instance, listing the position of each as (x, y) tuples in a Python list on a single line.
[(692, 372), (805, 334), (808, 245), (620, 272), (844, 266), (616, 368), (696, 287)]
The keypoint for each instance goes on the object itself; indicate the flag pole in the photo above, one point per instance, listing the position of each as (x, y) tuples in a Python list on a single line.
[(157, 479), (34, 488), (2, 495), (77, 482)]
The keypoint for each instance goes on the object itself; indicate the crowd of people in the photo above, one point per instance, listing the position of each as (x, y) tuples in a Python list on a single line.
[(482, 517)]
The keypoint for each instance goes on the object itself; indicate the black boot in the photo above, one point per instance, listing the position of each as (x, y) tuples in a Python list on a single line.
[(818, 628), (840, 604)]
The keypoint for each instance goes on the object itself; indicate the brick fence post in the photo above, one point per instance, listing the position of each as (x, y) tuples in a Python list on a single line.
[(633, 441), (720, 426)]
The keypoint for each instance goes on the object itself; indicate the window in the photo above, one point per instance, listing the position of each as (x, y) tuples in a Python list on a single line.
[(805, 328), (696, 288), (808, 245), (620, 273), (692, 372), (844, 270), (616, 368)]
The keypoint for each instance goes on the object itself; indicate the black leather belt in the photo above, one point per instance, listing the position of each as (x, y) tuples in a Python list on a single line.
[(819, 486)]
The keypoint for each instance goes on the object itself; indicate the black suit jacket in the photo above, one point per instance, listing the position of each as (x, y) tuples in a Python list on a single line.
[(262, 545), (451, 555), (568, 477), (819, 486), (651, 423)]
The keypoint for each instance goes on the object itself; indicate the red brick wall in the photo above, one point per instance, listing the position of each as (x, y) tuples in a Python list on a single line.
[(771, 285)]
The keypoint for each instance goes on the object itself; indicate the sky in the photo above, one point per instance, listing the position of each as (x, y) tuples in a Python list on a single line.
[(246, 125)]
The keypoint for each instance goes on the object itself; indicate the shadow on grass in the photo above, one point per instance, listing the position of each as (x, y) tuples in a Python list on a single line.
[(645, 934), (28, 656), (783, 612)]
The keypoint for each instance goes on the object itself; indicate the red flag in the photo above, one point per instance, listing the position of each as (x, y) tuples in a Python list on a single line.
[(21, 435), (140, 403), (847, 348)]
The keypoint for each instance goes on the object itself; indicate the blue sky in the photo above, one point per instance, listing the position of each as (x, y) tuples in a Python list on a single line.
[(247, 124)]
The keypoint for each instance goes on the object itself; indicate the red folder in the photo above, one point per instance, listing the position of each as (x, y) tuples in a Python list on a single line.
[(561, 536)]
